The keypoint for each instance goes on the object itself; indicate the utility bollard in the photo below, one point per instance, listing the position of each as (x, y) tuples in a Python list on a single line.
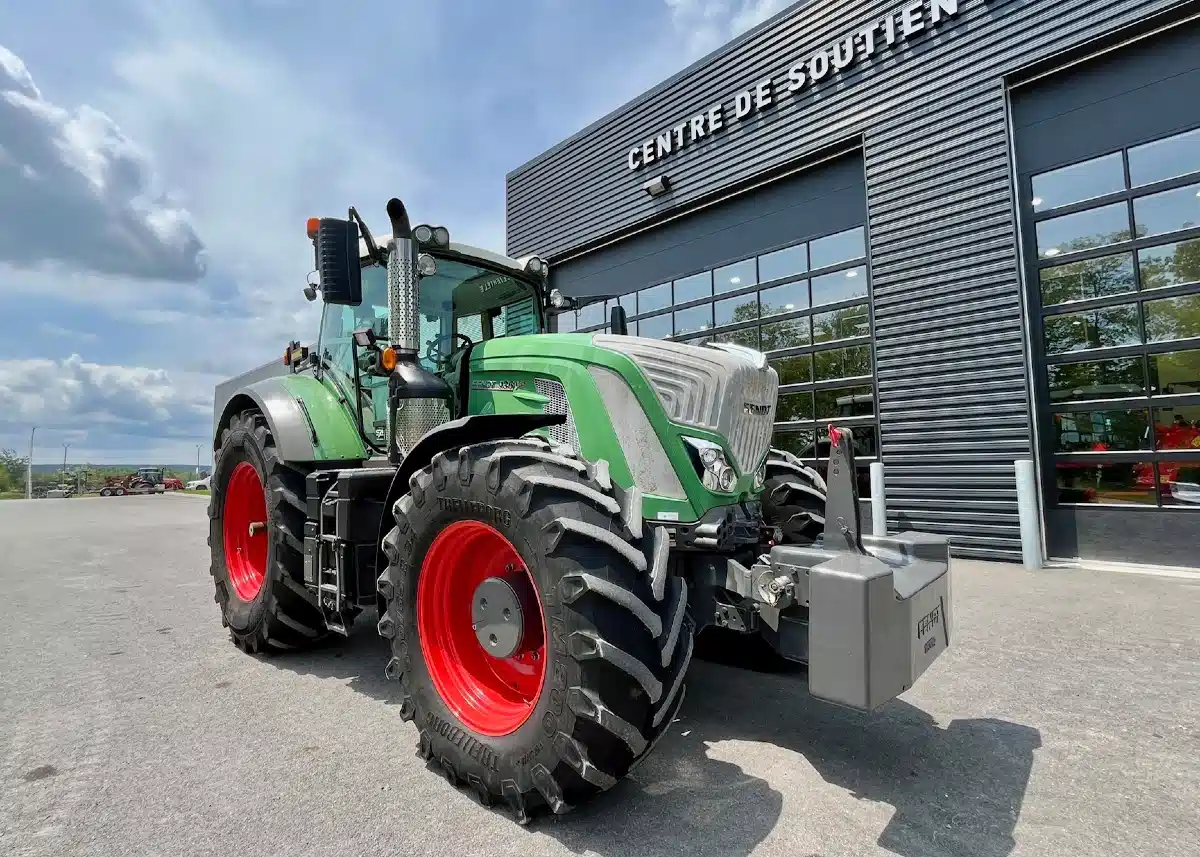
[(1027, 514), (878, 501)]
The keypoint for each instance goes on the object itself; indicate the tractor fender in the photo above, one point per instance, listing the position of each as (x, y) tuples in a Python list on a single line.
[(463, 431), (288, 424), (308, 422)]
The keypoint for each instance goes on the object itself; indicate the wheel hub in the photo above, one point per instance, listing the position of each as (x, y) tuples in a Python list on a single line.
[(481, 629), (244, 530), (498, 617)]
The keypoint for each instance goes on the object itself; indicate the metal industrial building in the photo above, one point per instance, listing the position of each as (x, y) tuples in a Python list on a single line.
[(970, 229)]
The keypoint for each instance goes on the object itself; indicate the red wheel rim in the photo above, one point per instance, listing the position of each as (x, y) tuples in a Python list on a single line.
[(245, 553), (490, 695)]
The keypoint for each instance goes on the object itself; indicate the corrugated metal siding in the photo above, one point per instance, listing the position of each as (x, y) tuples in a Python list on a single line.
[(948, 321)]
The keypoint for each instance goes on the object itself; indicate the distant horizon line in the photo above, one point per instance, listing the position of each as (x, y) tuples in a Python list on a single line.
[(52, 467)]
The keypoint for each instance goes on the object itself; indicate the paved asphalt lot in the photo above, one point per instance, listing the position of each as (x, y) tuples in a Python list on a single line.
[(1062, 722)]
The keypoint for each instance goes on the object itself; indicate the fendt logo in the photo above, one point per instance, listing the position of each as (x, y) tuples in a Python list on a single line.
[(929, 621), (755, 410)]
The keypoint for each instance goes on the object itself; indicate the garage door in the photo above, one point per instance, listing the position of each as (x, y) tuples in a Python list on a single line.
[(1108, 161), (782, 269)]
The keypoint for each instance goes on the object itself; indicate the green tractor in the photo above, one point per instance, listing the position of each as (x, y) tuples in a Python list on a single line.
[(540, 523)]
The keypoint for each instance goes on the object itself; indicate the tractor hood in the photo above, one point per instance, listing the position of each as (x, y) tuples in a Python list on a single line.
[(722, 388)]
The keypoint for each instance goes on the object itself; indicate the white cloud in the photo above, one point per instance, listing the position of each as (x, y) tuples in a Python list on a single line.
[(754, 12), (260, 142), (705, 25), (695, 29), (56, 331), (258, 147), (74, 189), (75, 395)]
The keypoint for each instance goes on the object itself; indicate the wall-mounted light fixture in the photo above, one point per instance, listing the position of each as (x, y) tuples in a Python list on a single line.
[(658, 186)]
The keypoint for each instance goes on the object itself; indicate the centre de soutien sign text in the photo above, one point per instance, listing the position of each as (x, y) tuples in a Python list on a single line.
[(860, 46)]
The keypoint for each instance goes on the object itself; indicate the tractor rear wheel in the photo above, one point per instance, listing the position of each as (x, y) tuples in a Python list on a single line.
[(538, 638), (256, 538), (793, 498)]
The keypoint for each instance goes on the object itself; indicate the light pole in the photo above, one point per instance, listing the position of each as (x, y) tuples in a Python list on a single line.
[(29, 466), (65, 447), (198, 459)]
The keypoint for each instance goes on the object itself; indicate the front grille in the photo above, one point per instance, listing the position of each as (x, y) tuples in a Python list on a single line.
[(750, 433), (710, 389), (565, 433)]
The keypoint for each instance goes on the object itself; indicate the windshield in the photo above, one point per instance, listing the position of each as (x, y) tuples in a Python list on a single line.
[(462, 299)]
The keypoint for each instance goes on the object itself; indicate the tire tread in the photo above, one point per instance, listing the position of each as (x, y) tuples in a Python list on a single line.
[(793, 498)]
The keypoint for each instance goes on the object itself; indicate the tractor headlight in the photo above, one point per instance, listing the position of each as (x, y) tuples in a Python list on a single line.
[(760, 476), (439, 236), (711, 465), (426, 265)]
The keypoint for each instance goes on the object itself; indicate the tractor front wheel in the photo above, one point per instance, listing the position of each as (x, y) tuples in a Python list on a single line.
[(793, 499), (256, 539), (538, 638)]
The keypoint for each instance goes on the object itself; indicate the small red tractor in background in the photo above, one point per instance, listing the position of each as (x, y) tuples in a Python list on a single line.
[(157, 476), (146, 480)]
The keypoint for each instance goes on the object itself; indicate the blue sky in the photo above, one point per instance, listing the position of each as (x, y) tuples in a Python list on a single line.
[(158, 160)]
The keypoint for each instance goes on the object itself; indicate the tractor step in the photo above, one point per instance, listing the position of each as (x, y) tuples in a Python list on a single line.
[(340, 540), (330, 587)]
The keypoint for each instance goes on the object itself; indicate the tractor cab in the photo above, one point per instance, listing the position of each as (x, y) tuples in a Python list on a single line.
[(466, 296)]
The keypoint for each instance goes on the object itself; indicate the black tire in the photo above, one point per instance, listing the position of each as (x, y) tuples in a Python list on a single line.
[(284, 614), (105, 492), (620, 639), (793, 498)]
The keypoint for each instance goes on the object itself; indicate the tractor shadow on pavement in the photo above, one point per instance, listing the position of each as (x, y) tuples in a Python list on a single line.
[(956, 791)]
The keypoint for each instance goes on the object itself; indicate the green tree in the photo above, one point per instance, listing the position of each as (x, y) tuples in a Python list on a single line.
[(12, 470), (1170, 265), (841, 324), (1091, 278), (783, 334)]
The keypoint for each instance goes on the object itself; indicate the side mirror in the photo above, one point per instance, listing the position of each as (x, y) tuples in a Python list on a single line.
[(337, 261), (617, 321)]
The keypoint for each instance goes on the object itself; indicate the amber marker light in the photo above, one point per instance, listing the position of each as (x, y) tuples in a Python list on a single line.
[(388, 359)]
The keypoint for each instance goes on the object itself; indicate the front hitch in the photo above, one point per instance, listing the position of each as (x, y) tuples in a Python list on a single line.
[(879, 610)]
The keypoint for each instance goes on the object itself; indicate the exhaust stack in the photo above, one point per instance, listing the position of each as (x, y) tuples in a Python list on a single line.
[(404, 323), (419, 400)]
